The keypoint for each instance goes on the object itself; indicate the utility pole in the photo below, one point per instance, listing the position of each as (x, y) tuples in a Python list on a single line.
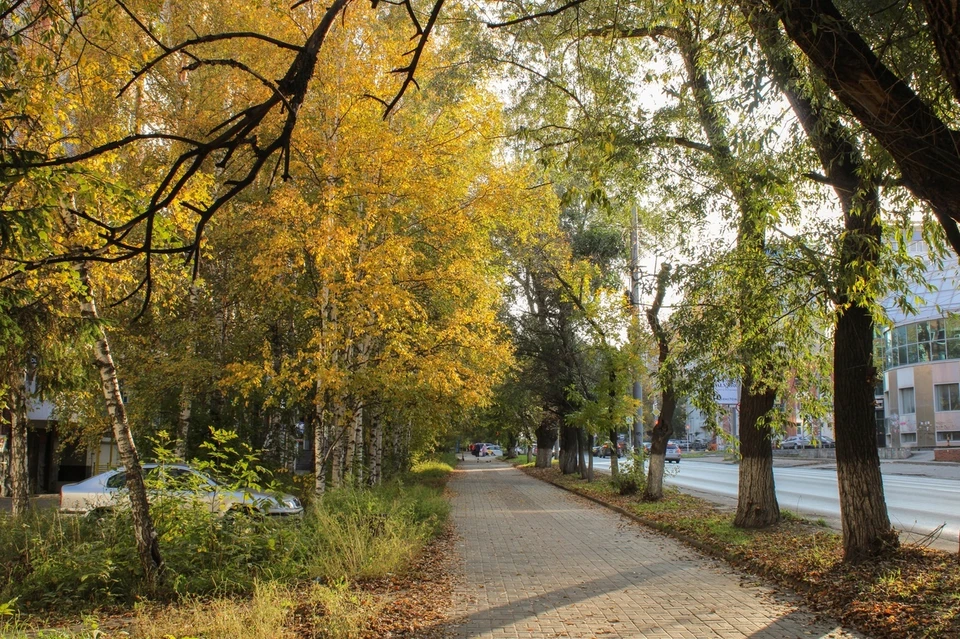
[(635, 304)]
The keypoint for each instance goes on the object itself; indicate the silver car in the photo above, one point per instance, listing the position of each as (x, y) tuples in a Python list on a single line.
[(107, 490)]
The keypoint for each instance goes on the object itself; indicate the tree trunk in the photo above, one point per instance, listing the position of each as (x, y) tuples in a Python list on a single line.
[(321, 442), (183, 422), (668, 395), (187, 390), (568, 449), (376, 451), (148, 547), (658, 446), (358, 439), (19, 473), (863, 510), (546, 439), (336, 446), (757, 505), (614, 453), (586, 463)]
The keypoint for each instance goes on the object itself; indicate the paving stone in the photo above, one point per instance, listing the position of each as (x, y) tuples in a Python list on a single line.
[(541, 563)]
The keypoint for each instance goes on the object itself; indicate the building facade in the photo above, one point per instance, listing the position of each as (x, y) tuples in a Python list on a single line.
[(921, 360)]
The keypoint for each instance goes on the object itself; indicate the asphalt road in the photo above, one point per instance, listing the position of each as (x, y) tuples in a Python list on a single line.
[(917, 504)]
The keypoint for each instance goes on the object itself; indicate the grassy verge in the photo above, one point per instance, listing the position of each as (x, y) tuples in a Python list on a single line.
[(319, 576), (915, 593)]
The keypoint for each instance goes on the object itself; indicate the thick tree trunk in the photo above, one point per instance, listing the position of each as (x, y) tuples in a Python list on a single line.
[(19, 473), (148, 547), (586, 455), (546, 439), (863, 510), (757, 505), (568, 449), (658, 448)]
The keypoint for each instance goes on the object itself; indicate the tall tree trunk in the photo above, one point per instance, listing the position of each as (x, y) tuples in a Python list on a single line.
[(668, 395), (376, 450), (350, 454), (321, 442), (588, 439), (866, 525), (148, 547), (187, 388), (863, 510), (568, 449), (757, 505), (19, 472), (358, 445), (183, 421), (336, 446), (614, 453), (546, 439)]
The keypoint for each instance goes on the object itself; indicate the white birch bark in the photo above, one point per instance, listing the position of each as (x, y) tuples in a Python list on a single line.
[(19, 474)]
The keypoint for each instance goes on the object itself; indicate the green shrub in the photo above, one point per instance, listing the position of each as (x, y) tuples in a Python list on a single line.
[(67, 563), (631, 479)]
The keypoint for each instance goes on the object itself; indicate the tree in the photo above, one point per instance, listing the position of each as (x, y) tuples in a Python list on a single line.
[(663, 428), (866, 526), (913, 124)]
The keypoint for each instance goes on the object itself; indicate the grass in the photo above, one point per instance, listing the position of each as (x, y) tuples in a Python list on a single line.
[(915, 592), (225, 577)]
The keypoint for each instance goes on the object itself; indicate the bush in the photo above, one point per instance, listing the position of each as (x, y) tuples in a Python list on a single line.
[(631, 479), (67, 563)]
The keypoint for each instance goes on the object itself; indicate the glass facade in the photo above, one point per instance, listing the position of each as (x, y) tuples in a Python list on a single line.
[(926, 341)]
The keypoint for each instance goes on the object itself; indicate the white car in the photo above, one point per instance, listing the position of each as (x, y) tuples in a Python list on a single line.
[(107, 491)]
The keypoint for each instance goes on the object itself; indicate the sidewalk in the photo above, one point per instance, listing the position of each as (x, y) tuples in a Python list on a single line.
[(540, 563)]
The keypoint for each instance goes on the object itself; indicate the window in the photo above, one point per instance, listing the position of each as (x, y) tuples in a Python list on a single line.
[(949, 436), (117, 481), (908, 438), (908, 405), (947, 396), (928, 341)]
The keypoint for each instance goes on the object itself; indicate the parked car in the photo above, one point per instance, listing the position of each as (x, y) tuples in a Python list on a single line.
[(827, 442), (795, 442), (606, 450), (107, 490), (495, 450), (673, 453)]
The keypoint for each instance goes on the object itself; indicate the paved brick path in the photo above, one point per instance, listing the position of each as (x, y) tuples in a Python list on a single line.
[(541, 563)]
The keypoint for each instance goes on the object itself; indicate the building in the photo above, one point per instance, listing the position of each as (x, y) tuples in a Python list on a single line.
[(920, 399)]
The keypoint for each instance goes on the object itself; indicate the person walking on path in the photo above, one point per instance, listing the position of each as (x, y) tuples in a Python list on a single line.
[(542, 563)]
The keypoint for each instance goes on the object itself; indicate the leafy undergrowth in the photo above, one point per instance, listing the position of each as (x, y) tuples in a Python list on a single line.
[(914, 593), (363, 563)]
